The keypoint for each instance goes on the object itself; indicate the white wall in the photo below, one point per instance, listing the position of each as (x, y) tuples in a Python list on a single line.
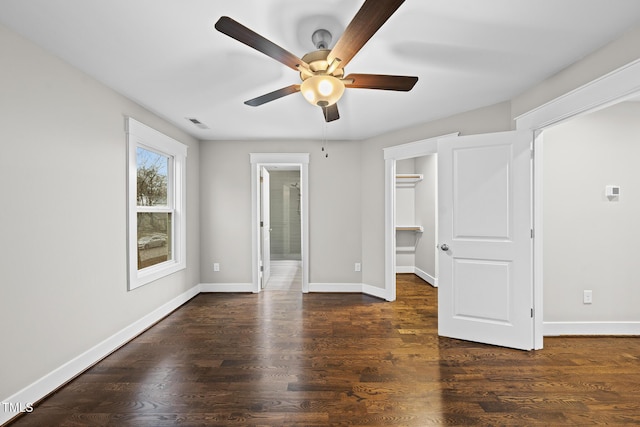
[(63, 217), (590, 241), (335, 194)]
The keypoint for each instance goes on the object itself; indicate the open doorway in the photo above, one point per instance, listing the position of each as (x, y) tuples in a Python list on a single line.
[(281, 228), (292, 195), (485, 273), (416, 217), (427, 149)]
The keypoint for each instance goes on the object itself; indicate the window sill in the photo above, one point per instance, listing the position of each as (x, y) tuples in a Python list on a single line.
[(156, 272)]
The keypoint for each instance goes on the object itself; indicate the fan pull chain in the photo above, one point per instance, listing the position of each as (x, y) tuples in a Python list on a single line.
[(325, 143)]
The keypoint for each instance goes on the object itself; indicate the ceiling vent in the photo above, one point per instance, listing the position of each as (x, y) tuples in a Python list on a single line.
[(197, 122)]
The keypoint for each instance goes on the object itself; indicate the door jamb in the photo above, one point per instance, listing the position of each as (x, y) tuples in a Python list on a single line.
[(259, 160), (424, 147)]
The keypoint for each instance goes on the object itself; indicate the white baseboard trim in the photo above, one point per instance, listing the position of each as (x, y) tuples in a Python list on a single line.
[(335, 287), (420, 273), (359, 288), (227, 287), (426, 277), (375, 291), (60, 376), (590, 328)]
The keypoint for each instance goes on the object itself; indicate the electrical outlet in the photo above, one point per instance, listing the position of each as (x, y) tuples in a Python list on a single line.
[(216, 266), (358, 267), (587, 297)]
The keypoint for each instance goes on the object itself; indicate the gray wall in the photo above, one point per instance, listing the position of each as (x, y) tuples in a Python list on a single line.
[(426, 198), (63, 219), (590, 241), (334, 233)]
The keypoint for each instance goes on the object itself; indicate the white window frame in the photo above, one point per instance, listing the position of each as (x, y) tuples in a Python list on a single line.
[(140, 135)]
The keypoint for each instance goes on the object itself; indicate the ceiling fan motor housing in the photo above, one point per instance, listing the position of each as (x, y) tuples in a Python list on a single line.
[(321, 39), (321, 84), (318, 64)]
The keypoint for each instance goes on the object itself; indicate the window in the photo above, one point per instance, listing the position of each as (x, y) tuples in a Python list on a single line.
[(156, 220)]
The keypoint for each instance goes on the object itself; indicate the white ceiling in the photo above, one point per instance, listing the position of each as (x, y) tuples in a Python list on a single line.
[(167, 56)]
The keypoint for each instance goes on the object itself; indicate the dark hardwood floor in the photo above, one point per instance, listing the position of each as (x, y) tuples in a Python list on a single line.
[(286, 359)]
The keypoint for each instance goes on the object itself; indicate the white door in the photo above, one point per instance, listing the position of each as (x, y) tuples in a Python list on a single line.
[(265, 226), (485, 286)]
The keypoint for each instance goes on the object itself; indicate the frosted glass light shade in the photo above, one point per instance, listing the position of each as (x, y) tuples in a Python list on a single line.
[(322, 90)]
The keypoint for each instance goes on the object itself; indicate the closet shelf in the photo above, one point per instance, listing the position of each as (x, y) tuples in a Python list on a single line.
[(416, 228), (408, 178)]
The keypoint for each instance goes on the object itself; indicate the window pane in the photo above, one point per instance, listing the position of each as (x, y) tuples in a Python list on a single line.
[(154, 238), (152, 178)]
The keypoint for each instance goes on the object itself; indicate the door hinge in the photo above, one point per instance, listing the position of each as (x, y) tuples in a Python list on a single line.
[(532, 313), (262, 268), (532, 233), (261, 223)]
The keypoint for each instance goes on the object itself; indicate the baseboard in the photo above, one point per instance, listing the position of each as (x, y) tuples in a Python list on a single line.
[(359, 288), (374, 291), (65, 373), (335, 287), (227, 287), (590, 328), (426, 277), (420, 273)]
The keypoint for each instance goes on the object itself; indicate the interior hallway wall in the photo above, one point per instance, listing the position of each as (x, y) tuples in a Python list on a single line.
[(590, 241)]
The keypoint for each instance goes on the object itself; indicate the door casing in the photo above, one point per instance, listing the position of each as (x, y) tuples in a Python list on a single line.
[(259, 160), (265, 227)]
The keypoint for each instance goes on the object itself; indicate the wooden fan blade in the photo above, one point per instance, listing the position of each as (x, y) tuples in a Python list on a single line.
[(380, 81), (331, 113), (371, 16), (252, 39), (272, 96)]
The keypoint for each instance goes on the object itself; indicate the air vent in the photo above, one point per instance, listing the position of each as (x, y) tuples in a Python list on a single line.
[(197, 122)]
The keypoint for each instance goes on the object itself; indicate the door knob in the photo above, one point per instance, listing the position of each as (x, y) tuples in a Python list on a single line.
[(444, 247)]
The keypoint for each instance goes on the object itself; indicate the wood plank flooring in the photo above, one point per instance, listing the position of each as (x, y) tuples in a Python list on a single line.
[(287, 359)]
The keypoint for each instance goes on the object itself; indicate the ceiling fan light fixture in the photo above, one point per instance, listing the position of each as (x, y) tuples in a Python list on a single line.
[(322, 90)]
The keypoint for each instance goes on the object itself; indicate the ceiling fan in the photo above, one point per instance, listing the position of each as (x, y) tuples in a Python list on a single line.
[(322, 71)]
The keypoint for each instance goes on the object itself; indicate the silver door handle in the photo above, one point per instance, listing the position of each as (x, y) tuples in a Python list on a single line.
[(444, 247)]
